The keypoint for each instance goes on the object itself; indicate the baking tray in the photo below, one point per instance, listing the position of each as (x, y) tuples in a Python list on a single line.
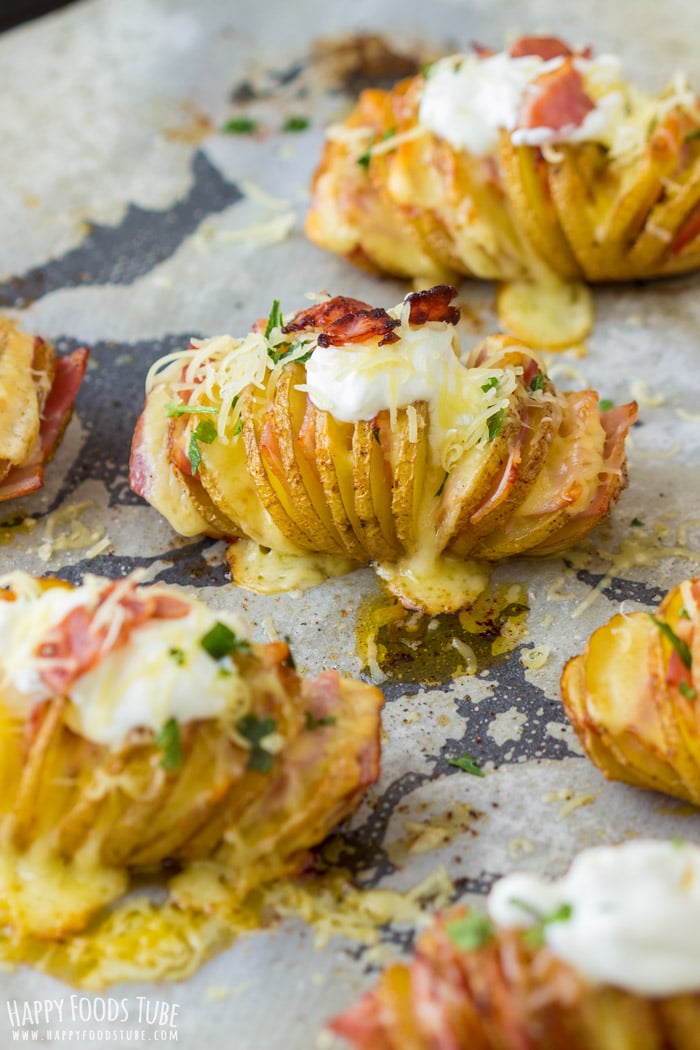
[(129, 224)]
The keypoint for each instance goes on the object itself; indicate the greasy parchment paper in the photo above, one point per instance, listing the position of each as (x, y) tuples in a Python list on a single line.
[(119, 211)]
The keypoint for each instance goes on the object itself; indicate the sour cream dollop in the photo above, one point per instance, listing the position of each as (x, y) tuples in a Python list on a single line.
[(161, 672), (468, 100), (634, 914)]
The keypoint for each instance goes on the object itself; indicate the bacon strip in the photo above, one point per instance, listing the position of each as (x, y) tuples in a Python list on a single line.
[(324, 314), (360, 326), (75, 645), (556, 100), (28, 477), (433, 305), (544, 47)]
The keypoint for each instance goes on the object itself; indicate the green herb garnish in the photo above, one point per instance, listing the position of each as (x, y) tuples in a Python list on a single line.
[(364, 158), (692, 135), (442, 484), (177, 654), (239, 126), (471, 931), (495, 423), (605, 404), (636, 522), (681, 647), (683, 613), (255, 730), (535, 935), (275, 318), (316, 723), (296, 124), (170, 743), (490, 384), (204, 431), (190, 410), (687, 691), (537, 381), (467, 763), (221, 641)]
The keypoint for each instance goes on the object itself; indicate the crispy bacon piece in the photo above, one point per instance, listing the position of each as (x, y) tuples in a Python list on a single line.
[(544, 47), (433, 305), (360, 326), (85, 634), (556, 100), (324, 314)]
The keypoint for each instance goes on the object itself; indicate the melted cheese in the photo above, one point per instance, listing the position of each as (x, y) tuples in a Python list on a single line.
[(635, 910), (267, 571), (161, 672)]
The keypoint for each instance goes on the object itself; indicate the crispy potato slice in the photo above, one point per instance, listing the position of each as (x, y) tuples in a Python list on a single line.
[(408, 455), (525, 179), (300, 477), (549, 314), (373, 493), (334, 461), (269, 495), (19, 401)]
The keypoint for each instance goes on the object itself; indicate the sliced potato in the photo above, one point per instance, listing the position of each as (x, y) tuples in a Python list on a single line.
[(334, 461), (548, 314), (19, 402), (373, 493)]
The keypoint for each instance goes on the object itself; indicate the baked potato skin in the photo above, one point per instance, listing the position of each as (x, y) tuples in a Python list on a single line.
[(288, 475), (126, 809), (507, 995), (631, 696), (427, 209)]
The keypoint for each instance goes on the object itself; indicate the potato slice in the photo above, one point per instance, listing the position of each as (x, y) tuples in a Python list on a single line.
[(268, 571), (373, 493), (270, 496), (334, 461), (525, 179), (300, 477), (548, 314), (409, 451), (19, 403)]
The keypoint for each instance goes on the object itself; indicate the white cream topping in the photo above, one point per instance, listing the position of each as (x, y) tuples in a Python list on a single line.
[(635, 912), (468, 100), (357, 380), (161, 672)]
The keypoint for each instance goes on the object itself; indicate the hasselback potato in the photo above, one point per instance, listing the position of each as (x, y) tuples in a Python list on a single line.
[(139, 730), (632, 696), (604, 959), (37, 392), (541, 159), (358, 432)]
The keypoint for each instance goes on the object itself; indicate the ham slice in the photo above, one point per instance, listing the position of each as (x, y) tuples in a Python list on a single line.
[(544, 47), (27, 477), (556, 100)]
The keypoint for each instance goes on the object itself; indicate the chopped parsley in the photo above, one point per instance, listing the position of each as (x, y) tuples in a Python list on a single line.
[(636, 522), (170, 743), (204, 431), (681, 647), (221, 641), (535, 935), (239, 126), (312, 722), (537, 381), (467, 763), (471, 931), (296, 124), (238, 427), (255, 730), (275, 318), (605, 404), (190, 410), (177, 654), (364, 158), (490, 384), (442, 484), (687, 691), (683, 613), (496, 423)]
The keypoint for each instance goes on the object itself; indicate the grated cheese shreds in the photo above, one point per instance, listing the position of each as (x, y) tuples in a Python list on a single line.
[(78, 535), (639, 389), (535, 658)]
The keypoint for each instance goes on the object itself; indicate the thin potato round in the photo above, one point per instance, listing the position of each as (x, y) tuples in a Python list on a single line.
[(548, 314)]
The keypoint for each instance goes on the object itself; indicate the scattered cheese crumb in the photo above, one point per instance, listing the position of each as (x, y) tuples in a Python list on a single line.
[(78, 535), (535, 657)]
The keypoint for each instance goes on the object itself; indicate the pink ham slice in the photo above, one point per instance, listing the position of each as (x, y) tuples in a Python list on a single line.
[(28, 477)]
